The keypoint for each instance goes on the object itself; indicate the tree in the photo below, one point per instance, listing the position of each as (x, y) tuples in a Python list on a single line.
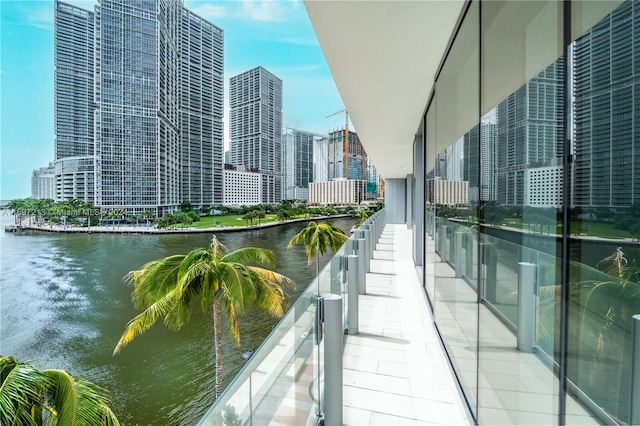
[(317, 238), (29, 396), (166, 288), (363, 215), (148, 214), (259, 214), (185, 206), (113, 215), (283, 215)]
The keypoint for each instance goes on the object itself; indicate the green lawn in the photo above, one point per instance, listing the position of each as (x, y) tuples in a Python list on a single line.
[(594, 229), (230, 220)]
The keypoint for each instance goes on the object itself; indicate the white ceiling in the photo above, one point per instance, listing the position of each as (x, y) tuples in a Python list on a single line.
[(383, 56)]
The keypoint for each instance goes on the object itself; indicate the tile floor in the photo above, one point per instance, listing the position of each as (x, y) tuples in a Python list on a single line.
[(395, 371)]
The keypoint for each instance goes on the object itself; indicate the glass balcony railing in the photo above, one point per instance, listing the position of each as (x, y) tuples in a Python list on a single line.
[(282, 382)]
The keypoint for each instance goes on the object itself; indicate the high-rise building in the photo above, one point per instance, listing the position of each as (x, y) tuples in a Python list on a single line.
[(528, 132), (338, 191), (321, 160), (606, 83), (201, 109), (43, 183), (298, 148), (487, 160), (146, 79), (73, 82), (340, 155), (255, 127)]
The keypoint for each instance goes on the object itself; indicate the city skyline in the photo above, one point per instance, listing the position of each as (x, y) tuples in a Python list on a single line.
[(276, 35)]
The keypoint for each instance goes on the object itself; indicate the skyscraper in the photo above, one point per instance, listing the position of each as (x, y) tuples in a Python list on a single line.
[(255, 127), (528, 132), (150, 83), (298, 149), (606, 90), (357, 157)]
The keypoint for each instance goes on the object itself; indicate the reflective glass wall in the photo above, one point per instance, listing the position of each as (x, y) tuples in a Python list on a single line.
[(532, 210)]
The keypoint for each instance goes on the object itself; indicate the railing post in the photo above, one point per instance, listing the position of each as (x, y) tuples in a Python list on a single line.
[(442, 243), (333, 335), (468, 253), (351, 262), (335, 284), (362, 276), (490, 259), (526, 306), (458, 253), (367, 249), (372, 240)]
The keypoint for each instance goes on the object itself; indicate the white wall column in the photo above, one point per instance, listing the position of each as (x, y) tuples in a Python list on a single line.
[(395, 200)]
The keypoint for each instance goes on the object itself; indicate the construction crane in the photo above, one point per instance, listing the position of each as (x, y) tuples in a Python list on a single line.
[(346, 139)]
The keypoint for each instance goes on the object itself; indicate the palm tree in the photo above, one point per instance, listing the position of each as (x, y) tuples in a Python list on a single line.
[(165, 288), (317, 238), (49, 397), (363, 215), (148, 214)]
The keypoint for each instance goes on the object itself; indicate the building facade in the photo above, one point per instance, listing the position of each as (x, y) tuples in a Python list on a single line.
[(321, 160), (528, 132), (255, 127), (606, 87), (242, 186), (342, 156), (445, 192), (298, 149), (139, 93), (337, 191), (43, 183), (543, 186)]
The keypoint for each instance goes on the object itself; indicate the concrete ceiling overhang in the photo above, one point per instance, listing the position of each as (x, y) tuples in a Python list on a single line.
[(383, 56)]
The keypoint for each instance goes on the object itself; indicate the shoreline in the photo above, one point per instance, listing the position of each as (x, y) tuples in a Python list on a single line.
[(139, 230)]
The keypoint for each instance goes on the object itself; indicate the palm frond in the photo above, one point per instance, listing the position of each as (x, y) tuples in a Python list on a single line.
[(236, 285), (255, 255), (234, 328), (78, 402), (275, 277), (190, 285), (154, 280), (272, 299), (21, 390), (317, 238), (142, 322)]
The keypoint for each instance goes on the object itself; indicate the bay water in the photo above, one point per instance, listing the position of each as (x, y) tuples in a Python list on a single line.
[(63, 304)]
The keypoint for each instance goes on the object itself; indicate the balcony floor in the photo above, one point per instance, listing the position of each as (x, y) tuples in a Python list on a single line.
[(395, 370)]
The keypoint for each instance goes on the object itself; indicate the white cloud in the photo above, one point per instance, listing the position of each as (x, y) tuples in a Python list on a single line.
[(268, 10), (41, 17), (209, 11)]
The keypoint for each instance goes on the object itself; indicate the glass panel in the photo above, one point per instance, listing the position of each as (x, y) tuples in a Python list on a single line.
[(430, 241), (281, 375), (521, 192), (286, 372), (605, 216), (453, 191)]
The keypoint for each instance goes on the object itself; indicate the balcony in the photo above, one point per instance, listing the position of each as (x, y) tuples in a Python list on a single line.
[(394, 370)]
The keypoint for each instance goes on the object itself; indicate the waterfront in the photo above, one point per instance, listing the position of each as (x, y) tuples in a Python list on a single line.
[(63, 305)]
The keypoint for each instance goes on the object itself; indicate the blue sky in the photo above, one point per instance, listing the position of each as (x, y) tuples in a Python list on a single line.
[(274, 34)]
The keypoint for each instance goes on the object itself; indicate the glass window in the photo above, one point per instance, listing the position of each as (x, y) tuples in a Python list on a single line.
[(604, 281), (521, 141), (453, 189)]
